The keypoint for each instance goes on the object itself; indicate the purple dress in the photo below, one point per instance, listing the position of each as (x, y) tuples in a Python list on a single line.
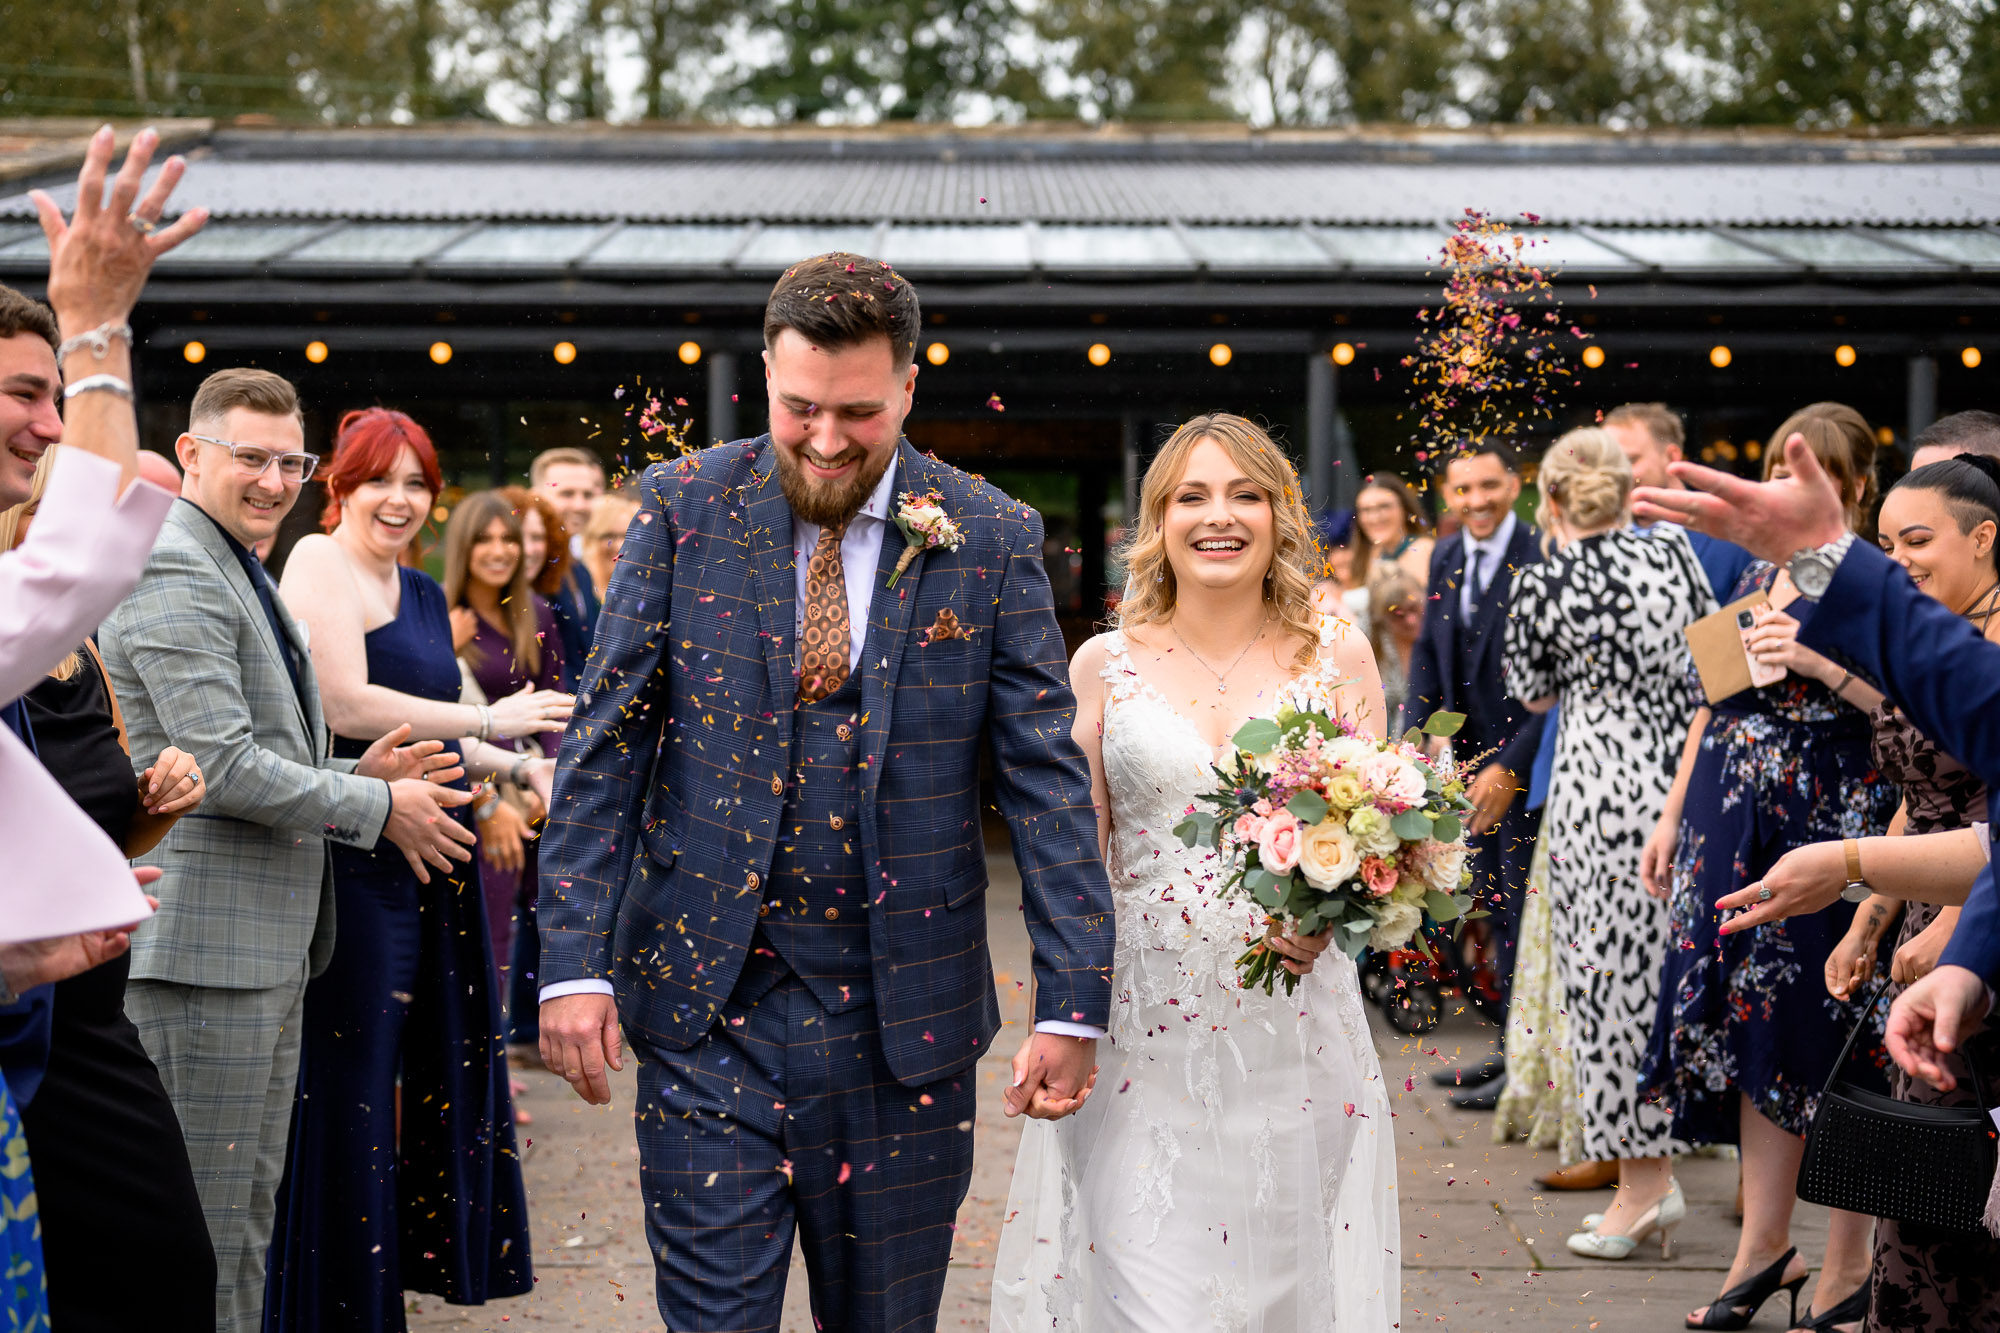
[(490, 655)]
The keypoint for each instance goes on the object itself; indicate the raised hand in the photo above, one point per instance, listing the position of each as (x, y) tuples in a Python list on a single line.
[(392, 761), (420, 823), (1772, 519), (529, 710), (100, 258)]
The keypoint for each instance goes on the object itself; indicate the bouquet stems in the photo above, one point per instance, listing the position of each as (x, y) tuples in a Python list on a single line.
[(1261, 966)]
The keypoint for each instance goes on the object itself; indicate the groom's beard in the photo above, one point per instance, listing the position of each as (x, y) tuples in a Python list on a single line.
[(826, 503)]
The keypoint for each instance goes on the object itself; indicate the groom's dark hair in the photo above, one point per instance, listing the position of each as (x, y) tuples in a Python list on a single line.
[(840, 299)]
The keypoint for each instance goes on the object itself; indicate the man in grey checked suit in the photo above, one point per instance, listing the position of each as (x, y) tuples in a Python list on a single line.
[(204, 656), (766, 836)]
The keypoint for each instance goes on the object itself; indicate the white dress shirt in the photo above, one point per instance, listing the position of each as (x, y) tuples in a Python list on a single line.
[(84, 553), (860, 556), (1493, 552)]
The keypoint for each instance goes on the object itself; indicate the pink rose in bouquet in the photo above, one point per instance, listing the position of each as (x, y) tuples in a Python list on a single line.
[(1278, 842), (1379, 875), (1394, 778)]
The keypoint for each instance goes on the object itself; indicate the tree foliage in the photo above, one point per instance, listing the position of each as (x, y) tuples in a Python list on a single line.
[(1799, 63)]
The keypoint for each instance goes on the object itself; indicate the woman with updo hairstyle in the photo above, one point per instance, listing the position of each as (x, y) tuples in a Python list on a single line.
[(1941, 524), (1598, 626), (1747, 1034)]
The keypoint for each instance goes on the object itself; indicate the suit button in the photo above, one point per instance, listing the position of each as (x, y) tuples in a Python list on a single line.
[(833, 914), (837, 823), (844, 731), (777, 785), (753, 880), (763, 909)]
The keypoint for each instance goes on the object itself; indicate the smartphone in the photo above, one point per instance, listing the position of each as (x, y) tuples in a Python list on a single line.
[(1761, 673)]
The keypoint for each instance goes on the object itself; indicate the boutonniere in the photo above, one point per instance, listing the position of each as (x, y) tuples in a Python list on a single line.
[(925, 525)]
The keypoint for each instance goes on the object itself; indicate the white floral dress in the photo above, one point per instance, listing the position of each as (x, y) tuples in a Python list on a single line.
[(1235, 1168)]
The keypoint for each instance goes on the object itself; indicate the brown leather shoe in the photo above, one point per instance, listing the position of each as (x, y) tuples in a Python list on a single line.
[(1582, 1176)]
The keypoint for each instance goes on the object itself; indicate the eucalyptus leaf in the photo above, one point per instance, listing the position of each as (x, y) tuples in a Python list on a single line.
[(1442, 723), (1411, 826), (1440, 905), (1447, 828), (1414, 736), (1354, 945), (1359, 927), (1308, 806), (1268, 894), (1257, 735)]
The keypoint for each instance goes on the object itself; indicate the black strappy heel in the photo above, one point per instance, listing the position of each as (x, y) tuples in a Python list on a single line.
[(1852, 1310), (1735, 1308)]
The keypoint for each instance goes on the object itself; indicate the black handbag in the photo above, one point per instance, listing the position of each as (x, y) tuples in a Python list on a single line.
[(1869, 1153)]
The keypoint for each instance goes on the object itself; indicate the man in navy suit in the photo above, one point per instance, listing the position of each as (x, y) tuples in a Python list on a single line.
[(1931, 661), (1456, 666), (765, 834)]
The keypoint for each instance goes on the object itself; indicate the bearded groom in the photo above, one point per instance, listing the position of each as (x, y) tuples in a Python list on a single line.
[(765, 834)]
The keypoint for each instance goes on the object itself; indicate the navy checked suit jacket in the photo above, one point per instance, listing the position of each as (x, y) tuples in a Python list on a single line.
[(1943, 673), (673, 771), (1483, 697)]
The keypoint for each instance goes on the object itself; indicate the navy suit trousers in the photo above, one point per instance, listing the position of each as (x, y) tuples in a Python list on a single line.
[(785, 1117)]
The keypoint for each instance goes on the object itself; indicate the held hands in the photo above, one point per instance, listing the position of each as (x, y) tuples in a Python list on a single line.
[(1805, 879), (528, 711), (1491, 793), (99, 260), (392, 761), (1929, 1018), (1053, 1076), (579, 1039), (172, 785), (1771, 519), (1300, 951)]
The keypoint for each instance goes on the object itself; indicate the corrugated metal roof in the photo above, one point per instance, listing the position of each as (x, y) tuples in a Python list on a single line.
[(860, 190)]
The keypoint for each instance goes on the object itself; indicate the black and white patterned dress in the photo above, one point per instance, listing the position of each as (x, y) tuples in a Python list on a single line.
[(1600, 625)]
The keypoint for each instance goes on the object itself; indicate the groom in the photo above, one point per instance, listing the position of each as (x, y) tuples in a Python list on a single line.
[(765, 835)]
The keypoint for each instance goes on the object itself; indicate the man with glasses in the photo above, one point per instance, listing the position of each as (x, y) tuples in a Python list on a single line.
[(204, 656)]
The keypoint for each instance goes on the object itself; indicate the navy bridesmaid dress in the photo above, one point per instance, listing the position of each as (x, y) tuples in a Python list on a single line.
[(405, 1018)]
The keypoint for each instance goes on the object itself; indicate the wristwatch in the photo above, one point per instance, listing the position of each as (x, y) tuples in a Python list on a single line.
[(1857, 889), (1812, 567)]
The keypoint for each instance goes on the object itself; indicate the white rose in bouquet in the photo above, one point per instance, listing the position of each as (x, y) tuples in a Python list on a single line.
[(1442, 865), (1348, 751), (1395, 778), (1328, 857), (1395, 923), (1374, 833)]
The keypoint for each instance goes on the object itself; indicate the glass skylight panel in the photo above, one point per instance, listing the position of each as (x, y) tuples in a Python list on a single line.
[(942, 249), (525, 245), (1573, 252), (1413, 248), (650, 245), (225, 243), (776, 248), (371, 244), (1690, 248), (1978, 249), (1226, 247), (1834, 248), (1112, 247)]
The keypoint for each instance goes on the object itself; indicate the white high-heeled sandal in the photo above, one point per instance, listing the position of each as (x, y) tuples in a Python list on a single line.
[(1662, 1217)]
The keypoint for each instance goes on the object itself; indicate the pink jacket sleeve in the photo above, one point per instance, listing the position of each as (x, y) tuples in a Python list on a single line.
[(84, 553)]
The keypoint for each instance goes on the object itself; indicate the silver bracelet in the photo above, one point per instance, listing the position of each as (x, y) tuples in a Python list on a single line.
[(518, 774), (98, 340), (98, 384), (485, 722)]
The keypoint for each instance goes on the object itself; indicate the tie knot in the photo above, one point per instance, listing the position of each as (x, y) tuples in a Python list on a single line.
[(833, 532)]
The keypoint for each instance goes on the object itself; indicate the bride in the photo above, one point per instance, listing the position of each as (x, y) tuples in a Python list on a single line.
[(1234, 1167)]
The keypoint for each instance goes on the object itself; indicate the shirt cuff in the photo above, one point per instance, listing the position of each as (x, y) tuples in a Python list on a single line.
[(555, 990), (1066, 1029)]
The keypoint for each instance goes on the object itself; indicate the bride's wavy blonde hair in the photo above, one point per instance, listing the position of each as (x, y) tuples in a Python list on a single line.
[(1296, 562)]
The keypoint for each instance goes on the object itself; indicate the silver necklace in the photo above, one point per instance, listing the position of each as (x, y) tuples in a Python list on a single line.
[(1222, 677)]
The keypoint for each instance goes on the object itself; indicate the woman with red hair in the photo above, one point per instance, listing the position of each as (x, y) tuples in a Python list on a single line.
[(408, 1003)]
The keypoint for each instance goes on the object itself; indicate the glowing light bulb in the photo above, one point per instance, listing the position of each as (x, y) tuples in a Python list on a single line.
[(1970, 357), (315, 351), (1343, 354), (194, 352), (1843, 355), (565, 352), (1718, 356), (690, 353), (1099, 354), (1593, 356), (1220, 354), (440, 352), (937, 354)]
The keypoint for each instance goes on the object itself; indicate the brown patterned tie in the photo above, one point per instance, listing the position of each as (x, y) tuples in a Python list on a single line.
[(823, 644)]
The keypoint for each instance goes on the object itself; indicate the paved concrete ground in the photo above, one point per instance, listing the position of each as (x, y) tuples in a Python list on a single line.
[(1483, 1249)]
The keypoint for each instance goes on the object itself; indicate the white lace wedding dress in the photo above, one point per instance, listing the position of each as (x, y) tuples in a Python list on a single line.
[(1235, 1168)]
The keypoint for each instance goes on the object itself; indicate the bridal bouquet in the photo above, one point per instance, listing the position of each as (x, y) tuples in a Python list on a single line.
[(1324, 828)]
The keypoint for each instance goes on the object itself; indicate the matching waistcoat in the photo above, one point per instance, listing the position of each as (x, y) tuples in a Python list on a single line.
[(814, 913)]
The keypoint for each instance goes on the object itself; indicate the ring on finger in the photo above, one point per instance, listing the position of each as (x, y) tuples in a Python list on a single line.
[(144, 226), (1763, 893)]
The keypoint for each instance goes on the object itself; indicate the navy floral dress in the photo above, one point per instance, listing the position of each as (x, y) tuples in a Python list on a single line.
[(1778, 768)]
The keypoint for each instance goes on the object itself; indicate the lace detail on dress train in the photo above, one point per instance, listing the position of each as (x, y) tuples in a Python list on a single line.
[(1238, 1157)]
